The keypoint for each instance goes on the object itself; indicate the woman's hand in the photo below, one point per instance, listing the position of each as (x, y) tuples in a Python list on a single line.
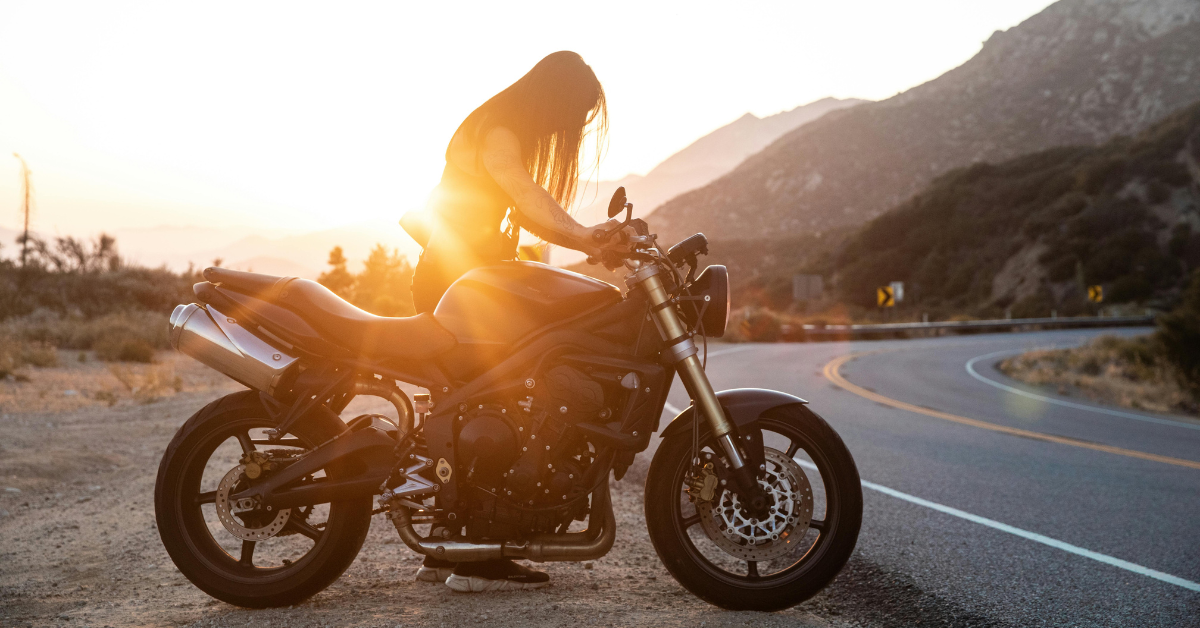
[(611, 230), (502, 160), (617, 241)]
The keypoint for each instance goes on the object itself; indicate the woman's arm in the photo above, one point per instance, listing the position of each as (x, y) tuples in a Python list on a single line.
[(502, 160)]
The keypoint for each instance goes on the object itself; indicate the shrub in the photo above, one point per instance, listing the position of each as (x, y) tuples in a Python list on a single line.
[(754, 325), (145, 385), (40, 355), (72, 332), (15, 353), (1179, 332), (118, 349)]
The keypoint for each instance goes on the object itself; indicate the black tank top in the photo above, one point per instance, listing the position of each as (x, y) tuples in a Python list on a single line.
[(468, 212), (473, 208)]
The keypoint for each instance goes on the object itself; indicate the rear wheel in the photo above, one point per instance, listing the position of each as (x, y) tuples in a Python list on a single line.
[(237, 553), (729, 558)]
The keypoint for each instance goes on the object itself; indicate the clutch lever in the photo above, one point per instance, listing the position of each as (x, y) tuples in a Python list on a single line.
[(600, 237), (612, 259)]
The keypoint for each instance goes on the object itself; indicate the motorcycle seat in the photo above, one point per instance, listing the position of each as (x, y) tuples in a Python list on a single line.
[(338, 321)]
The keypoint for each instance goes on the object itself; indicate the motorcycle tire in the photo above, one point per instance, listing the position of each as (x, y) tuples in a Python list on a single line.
[(201, 559), (815, 569)]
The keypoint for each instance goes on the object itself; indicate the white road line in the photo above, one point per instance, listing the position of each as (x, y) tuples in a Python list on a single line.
[(1025, 534), (731, 350), (1079, 406)]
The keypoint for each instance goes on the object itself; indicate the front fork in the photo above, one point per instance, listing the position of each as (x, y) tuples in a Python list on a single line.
[(682, 350)]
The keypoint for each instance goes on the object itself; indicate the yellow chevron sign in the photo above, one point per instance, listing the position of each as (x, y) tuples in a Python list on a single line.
[(1095, 294), (885, 296)]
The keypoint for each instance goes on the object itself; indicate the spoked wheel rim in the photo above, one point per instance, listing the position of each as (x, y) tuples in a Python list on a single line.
[(719, 563), (288, 552)]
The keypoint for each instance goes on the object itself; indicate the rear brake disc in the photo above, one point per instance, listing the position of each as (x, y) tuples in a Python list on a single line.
[(229, 518)]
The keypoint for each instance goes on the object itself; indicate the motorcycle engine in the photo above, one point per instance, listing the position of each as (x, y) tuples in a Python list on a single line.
[(488, 444), (522, 460)]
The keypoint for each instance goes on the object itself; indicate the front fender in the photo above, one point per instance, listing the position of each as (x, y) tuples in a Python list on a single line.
[(743, 406)]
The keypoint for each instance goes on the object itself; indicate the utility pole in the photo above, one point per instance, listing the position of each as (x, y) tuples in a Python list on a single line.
[(25, 208)]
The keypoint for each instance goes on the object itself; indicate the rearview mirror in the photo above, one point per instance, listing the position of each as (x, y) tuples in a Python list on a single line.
[(617, 203)]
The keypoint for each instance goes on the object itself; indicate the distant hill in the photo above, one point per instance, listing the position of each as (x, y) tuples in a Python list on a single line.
[(1078, 73), (699, 163), (311, 250), (1029, 234), (274, 266), (284, 253)]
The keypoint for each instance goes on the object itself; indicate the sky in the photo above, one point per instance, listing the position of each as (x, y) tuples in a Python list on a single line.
[(303, 116)]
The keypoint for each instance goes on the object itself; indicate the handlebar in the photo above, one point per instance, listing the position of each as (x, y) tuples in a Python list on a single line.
[(611, 258)]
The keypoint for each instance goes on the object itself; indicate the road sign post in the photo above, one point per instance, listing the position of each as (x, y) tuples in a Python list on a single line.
[(807, 288)]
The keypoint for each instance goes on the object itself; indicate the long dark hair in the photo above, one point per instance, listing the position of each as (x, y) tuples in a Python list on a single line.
[(550, 110)]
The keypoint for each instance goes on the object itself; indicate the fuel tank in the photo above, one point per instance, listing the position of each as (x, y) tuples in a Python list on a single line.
[(500, 304)]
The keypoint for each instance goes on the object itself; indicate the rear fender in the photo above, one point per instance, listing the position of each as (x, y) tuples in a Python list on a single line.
[(743, 406)]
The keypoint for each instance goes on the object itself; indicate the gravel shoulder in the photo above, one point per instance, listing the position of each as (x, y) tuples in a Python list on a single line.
[(78, 544)]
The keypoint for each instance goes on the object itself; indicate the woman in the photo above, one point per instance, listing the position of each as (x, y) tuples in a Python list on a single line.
[(517, 155), (518, 151)]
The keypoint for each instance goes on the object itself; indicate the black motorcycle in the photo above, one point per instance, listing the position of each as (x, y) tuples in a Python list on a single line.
[(541, 384)]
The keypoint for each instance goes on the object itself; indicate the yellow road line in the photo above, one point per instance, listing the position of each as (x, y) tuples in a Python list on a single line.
[(832, 374)]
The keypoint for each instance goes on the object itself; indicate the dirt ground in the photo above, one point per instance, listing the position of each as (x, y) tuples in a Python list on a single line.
[(79, 449)]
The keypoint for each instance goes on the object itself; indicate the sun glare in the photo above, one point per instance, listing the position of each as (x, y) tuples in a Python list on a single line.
[(273, 116)]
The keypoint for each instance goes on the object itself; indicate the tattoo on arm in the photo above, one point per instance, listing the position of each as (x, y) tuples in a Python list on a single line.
[(503, 163)]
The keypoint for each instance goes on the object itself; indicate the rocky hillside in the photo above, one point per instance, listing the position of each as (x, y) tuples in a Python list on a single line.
[(1029, 234), (706, 159), (1078, 73)]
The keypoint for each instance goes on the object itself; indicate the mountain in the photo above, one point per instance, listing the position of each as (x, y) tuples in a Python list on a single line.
[(1031, 233), (1078, 73), (699, 163), (707, 158)]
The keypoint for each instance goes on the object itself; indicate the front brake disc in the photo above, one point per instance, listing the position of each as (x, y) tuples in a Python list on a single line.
[(225, 511), (727, 524)]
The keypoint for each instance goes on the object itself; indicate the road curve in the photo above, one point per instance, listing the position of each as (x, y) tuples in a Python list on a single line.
[(990, 503)]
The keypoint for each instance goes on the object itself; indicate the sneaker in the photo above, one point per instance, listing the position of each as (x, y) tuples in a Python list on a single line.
[(434, 570), (495, 575)]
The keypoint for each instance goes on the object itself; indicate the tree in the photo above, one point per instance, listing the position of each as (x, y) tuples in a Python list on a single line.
[(338, 279), (384, 286)]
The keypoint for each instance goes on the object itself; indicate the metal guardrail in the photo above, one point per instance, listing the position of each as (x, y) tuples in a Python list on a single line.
[(893, 330)]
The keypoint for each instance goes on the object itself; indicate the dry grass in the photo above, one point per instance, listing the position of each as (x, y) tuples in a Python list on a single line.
[(73, 385), (16, 353), (33, 340), (1127, 372), (72, 332)]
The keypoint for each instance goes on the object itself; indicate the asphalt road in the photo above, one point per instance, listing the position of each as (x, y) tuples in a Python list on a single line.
[(965, 525)]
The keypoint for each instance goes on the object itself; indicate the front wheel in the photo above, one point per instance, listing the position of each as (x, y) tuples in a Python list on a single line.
[(727, 557)]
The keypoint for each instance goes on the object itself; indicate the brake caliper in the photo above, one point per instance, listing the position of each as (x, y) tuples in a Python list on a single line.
[(256, 463), (703, 486)]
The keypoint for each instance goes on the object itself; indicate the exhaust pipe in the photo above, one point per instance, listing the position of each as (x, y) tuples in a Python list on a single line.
[(589, 544), (217, 341)]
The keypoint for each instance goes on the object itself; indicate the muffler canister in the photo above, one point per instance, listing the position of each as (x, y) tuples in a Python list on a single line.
[(218, 342)]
